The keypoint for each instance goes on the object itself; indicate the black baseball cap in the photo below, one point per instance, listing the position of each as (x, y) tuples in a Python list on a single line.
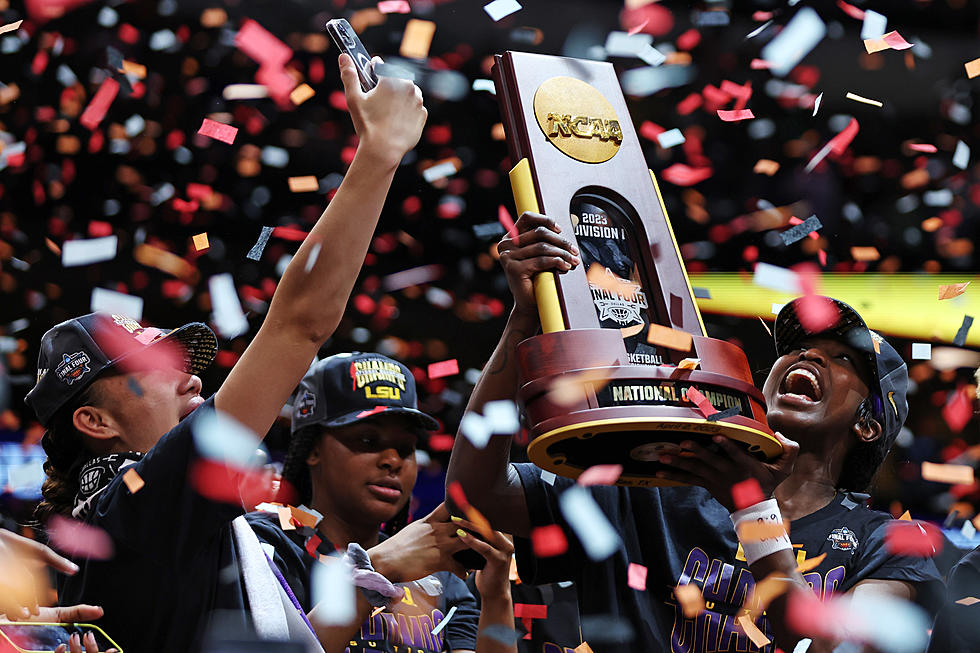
[(75, 352), (890, 376), (346, 388)]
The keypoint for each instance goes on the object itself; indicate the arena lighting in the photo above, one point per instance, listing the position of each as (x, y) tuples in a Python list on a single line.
[(903, 305)]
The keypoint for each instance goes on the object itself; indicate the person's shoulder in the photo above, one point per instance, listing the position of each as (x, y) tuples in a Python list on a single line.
[(266, 527)]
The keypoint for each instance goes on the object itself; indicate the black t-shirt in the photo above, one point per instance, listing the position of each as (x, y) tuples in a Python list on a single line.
[(171, 544), (558, 631), (404, 628), (682, 535), (957, 628)]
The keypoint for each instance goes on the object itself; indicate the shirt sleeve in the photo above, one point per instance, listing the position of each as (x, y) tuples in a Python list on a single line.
[(543, 510), (461, 631), (166, 519), (876, 562)]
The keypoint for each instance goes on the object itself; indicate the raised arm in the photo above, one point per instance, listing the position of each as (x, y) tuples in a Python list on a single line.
[(485, 474), (307, 306)]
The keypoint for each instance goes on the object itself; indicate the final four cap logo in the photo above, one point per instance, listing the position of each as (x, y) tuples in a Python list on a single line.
[(578, 119)]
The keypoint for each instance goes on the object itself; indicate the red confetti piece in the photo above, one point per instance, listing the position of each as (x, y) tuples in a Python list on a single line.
[(851, 10), (504, 218), (681, 174), (441, 442), (530, 611), (636, 29), (261, 45), (694, 395), (747, 493), (227, 484), (443, 368), (895, 41), (923, 147), (600, 475), (290, 233), (688, 40), (218, 131), (958, 411), (79, 540), (913, 538), (650, 130), (838, 144), (394, 7), (373, 411), (97, 108), (816, 313), (312, 544), (689, 104), (636, 576), (548, 541), (457, 495), (736, 116)]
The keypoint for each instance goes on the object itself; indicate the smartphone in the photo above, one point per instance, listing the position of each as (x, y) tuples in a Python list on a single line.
[(343, 36), (40, 637)]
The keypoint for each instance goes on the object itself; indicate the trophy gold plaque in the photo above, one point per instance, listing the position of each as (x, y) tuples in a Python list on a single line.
[(607, 379)]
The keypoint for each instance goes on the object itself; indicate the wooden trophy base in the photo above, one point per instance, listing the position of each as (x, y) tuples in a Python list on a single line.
[(588, 406)]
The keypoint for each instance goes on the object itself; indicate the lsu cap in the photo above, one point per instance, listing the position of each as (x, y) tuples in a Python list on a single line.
[(345, 388)]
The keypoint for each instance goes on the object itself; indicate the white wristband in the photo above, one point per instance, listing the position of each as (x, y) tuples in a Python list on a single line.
[(764, 512)]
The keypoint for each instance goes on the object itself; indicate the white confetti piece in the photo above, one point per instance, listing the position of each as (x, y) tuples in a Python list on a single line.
[(332, 590), (245, 92), (796, 40), (961, 157), (968, 530), (548, 477), (255, 253), (921, 351), (439, 170), (816, 104), (888, 623), (859, 98), (476, 429), (501, 8), (624, 44), (758, 30), (776, 278), (227, 314), (941, 197), (311, 259), (502, 416), (874, 25), (670, 138), (110, 301), (652, 56), (223, 439), (484, 85), (445, 621), (591, 526), (86, 252)]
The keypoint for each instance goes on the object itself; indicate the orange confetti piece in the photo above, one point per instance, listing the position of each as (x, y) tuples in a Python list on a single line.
[(972, 68), (583, 648), (305, 184), (165, 261), (481, 523), (946, 473), (752, 631), (629, 332), (765, 167), (201, 241), (691, 600), (865, 253), (756, 531), (969, 600), (906, 516), (417, 39), (285, 518), (301, 94), (571, 388), (810, 563), (689, 364), (137, 70), (670, 338), (10, 27), (952, 290), (305, 518), (133, 481), (765, 592)]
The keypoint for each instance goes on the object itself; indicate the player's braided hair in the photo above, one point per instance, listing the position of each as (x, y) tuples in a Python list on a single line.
[(863, 460), (295, 470), (66, 453)]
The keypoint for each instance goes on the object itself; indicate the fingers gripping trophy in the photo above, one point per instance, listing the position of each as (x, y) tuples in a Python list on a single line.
[(609, 379)]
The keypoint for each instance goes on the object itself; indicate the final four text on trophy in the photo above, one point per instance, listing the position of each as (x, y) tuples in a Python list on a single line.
[(608, 379)]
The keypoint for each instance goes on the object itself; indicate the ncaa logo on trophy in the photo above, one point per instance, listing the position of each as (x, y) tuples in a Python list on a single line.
[(607, 380)]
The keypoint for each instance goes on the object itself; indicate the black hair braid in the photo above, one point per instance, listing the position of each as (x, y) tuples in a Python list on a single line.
[(295, 471), (66, 454), (863, 460)]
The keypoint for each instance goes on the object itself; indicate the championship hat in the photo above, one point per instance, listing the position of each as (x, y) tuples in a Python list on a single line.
[(75, 352), (889, 374), (345, 388)]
